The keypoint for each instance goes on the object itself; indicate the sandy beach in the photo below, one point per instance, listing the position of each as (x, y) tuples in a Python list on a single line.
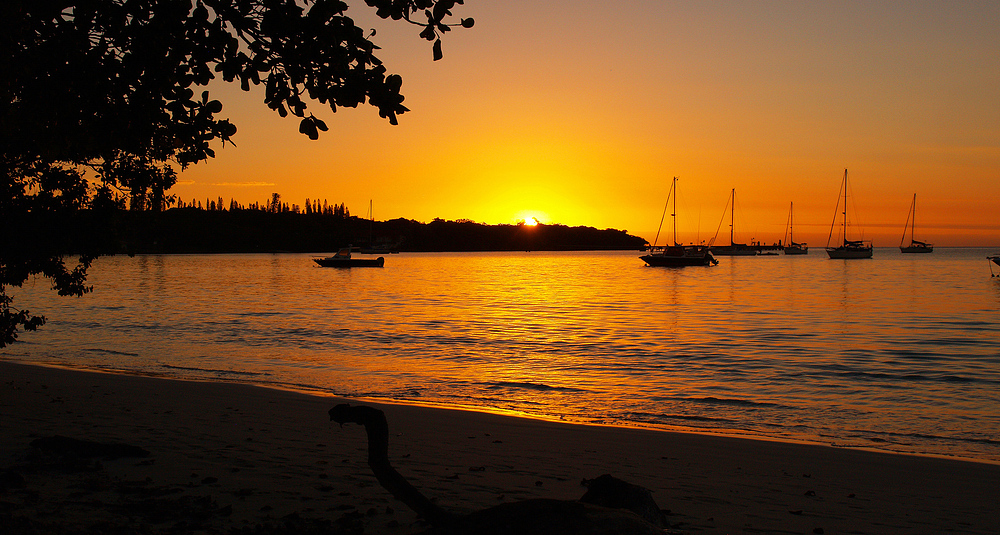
[(226, 458)]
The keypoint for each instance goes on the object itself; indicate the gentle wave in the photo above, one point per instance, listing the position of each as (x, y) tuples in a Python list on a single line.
[(527, 386), (214, 371), (110, 352)]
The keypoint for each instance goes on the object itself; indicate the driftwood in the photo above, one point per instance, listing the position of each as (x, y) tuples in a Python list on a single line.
[(610, 506)]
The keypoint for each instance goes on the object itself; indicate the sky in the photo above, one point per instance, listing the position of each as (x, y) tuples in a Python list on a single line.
[(579, 112)]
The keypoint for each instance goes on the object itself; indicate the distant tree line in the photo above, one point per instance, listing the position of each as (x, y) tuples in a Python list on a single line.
[(275, 227), (274, 205)]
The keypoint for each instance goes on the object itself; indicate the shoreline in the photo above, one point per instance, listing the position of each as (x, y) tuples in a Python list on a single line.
[(232, 456), (622, 424)]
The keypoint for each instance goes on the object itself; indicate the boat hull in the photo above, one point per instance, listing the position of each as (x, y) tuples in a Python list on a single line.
[(350, 262), (680, 257), (916, 249), (677, 261), (849, 252), (796, 249)]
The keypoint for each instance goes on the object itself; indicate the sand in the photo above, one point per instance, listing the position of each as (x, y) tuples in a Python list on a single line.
[(230, 458)]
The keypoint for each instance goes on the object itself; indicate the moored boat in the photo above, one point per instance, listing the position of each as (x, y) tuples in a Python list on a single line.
[(380, 246), (734, 249), (343, 259), (791, 247), (915, 246), (676, 255), (848, 249), (679, 255)]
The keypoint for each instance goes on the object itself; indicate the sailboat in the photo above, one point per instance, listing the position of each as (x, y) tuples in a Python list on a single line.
[(849, 248), (676, 255), (790, 246), (733, 249), (914, 246), (381, 246)]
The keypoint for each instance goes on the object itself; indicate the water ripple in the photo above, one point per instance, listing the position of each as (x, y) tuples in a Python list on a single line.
[(788, 347)]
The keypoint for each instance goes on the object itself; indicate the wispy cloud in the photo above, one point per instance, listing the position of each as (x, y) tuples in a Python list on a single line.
[(243, 184)]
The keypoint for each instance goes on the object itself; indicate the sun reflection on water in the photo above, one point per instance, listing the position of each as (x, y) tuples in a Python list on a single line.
[(888, 349)]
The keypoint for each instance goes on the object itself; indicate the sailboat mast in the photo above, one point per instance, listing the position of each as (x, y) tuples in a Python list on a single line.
[(913, 217), (791, 237), (674, 214), (732, 217), (909, 219), (845, 207)]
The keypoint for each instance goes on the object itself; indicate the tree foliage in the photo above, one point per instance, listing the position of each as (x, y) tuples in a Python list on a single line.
[(101, 99)]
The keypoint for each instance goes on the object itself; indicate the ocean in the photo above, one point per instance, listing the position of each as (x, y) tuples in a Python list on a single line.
[(898, 353)]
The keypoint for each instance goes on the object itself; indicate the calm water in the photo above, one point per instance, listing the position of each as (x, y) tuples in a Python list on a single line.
[(901, 352)]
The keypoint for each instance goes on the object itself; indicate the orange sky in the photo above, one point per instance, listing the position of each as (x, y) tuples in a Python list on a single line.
[(580, 112)]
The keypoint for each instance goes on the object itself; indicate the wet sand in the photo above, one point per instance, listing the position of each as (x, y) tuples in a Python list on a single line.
[(229, 457)]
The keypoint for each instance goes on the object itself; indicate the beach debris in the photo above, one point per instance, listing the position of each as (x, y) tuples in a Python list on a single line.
[(609, 491)]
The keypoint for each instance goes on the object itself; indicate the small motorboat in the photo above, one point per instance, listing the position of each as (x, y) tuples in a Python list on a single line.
[(343, 259)]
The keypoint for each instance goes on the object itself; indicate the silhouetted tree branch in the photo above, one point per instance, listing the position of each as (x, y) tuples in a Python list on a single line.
[(101, 99)]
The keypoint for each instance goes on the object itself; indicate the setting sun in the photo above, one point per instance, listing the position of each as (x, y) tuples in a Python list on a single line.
[(534, 130), (531, 217)]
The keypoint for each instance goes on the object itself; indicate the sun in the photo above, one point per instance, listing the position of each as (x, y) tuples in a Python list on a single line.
[(531, 218)]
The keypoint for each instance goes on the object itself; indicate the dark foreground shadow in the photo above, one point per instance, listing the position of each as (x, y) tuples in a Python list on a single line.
[(610, 505)]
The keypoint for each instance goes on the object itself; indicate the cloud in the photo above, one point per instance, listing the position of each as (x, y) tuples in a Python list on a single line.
[(243, 184)]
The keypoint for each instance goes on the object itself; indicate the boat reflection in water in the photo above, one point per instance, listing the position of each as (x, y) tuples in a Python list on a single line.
[(994, 259), (677, 255)]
